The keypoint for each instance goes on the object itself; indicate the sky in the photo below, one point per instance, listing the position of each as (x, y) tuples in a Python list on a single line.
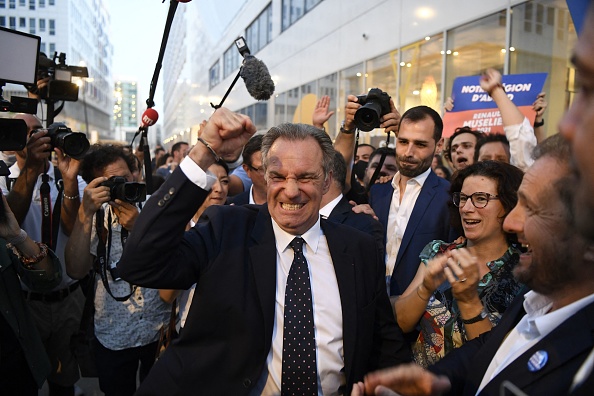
[(136, 33)]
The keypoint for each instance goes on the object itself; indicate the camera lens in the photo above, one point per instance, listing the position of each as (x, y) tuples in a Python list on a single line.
[(134, 192), (368, 117), (74, 144)]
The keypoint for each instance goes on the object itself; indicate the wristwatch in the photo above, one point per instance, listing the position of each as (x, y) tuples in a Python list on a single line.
[(482, 315), (344, 130)]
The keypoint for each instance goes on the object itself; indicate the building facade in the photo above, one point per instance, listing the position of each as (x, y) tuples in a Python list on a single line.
[(80, 29), (411, 49)]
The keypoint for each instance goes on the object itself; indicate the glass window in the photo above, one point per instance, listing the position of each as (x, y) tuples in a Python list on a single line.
[(420, 66), (280, 110), (295, 9), (2, 3), (382, 73), (22, 22), (214, 75), (52, 27), (42, 47), (31, 4), (292, 104), (12, 21), (52, 49), (259, 33), (22, 3), (230, 60), (547, 50), (12, 4), (351, 81), (32, 25), (2, 21), (41, 3), (52, 2), (329, 86), (260, 114), (474, 47), (42, 25)]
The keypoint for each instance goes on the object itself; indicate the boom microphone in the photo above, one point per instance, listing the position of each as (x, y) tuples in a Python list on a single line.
[(149, 117), (257, 78)]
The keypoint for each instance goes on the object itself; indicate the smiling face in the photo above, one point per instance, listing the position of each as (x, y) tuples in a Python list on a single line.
[(218, 193), (541, 226), (296, 183), (462, 150), (415, 146), (576, 126), (482, 224)]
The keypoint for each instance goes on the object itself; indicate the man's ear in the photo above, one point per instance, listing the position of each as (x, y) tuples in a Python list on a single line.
[(439, 146)]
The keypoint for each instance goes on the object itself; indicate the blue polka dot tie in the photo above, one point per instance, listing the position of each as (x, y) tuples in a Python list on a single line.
[(300, 376)]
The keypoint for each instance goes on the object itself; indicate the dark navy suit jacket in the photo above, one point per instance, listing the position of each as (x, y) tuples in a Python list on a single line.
[(429, 220), (240, 199), (231, 255), (566, 348)]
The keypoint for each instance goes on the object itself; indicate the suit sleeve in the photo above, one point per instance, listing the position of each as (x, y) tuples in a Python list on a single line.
[(158, 254)]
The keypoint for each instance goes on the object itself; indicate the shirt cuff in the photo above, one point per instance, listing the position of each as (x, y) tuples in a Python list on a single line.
[(196, 174)]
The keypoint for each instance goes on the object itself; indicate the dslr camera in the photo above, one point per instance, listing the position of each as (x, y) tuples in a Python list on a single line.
[(130, 192), (73, 144), (373, 106)]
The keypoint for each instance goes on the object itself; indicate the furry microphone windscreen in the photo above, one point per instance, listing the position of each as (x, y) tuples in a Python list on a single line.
[(257, 78)]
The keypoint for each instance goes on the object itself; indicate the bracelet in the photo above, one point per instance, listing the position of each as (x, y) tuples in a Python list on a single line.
[(73, 197), (217, 158), (419, 294), (17, 240), (538, 123), (344, 130), (28, 262), (482, 315)]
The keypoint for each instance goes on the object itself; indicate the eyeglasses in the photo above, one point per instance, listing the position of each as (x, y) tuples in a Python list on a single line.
[(478, 199), (260, 170)]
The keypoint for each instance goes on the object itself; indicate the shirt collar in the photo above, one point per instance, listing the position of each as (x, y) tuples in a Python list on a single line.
[(329, 207), (420, 179), (15, 171), (283, 238)]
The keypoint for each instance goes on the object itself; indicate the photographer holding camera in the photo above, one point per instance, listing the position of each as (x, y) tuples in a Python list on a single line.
[(45, 201), (127, 318)]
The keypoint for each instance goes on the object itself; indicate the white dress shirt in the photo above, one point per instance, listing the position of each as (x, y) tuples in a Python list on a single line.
[(399, 215), (327, 307), (533, 327)]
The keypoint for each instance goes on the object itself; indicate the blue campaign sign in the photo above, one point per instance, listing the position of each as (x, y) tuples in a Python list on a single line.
[(522, 89)]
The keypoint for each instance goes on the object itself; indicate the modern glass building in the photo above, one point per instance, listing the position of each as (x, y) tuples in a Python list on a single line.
[(412, 49)]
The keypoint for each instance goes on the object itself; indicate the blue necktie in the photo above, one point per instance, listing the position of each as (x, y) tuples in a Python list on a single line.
[(299, 376)]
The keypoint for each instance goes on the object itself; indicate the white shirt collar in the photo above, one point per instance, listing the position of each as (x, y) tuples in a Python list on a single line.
[(420, 179), (329, 207), (283, 238), (15, 171)]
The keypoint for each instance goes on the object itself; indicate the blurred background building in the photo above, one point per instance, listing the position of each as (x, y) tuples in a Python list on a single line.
[(409, 48), (80, 29)]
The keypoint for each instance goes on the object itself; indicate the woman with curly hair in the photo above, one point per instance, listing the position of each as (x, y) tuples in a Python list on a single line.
[(462, 288)]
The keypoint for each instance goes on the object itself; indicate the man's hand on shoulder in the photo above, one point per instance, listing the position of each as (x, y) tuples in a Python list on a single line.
[(363, 208), (406, 379)]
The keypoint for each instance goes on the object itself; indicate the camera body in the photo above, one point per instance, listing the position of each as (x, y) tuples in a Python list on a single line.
[(121, 189), (60, 86), (73, 144), (373, 106)]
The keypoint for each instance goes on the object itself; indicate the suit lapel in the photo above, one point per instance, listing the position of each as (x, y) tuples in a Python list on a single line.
[(340, 211), (571, 338), (262, 248), (344, 267), (421, 205)]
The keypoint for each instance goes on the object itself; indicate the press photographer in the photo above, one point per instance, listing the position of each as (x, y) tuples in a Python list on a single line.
[(45, 201), (127, 318)]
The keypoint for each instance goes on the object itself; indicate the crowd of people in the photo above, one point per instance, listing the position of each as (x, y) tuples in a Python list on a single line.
[(297, 265)]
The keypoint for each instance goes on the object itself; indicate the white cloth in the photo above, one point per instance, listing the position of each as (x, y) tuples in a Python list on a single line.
[(124, 324), (521, 143), (327, 305), (329, 207), (533, 327), (399, 215), (32, 222)]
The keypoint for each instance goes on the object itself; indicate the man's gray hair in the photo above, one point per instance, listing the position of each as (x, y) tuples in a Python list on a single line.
[(299, 132)]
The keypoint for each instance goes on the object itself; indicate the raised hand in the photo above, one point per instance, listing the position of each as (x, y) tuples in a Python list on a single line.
[(321, 113)]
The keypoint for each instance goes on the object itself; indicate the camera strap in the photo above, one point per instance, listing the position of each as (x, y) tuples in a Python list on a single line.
[(50, 220), (104, 251)]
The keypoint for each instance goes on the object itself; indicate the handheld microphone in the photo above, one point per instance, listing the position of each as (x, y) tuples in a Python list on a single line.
[(257, 78), (149, 117)]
